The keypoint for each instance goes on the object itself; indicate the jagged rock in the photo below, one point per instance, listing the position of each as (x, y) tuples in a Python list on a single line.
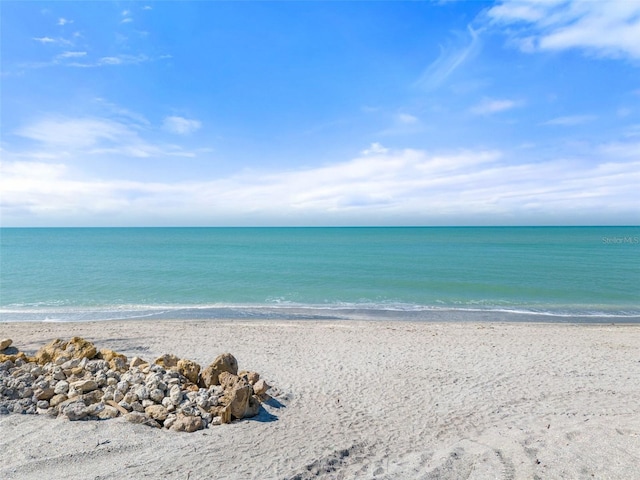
[(60, 351), (237, 393), (116, 361), (187, 424), (223, 412), (260, 387), (189, 369), (252, 377), (137, 362), (58, 399), (223, 363), (44, 394), (167, 361), (84, 386), (141, 418), (108, 412), (175, 394), (75, 411), (5, 343), (157, 412), (13, 357)]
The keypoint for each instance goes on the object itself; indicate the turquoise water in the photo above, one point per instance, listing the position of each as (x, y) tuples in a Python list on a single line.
[(510, 273)]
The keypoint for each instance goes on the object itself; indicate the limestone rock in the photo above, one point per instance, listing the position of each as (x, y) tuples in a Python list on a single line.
[(157, 412), (237, 393), (141, 418), (44, 393), (223, 363), (57, 399), (5, 343), (252, 377), (189, 369), (137, 362), (108, 412), (60, 351), (84, 386), (117, 361), (167, 361), (75, 411), (260, 387), (184, 423)]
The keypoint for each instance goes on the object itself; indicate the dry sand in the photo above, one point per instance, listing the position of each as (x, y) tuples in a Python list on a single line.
[(387, 400)]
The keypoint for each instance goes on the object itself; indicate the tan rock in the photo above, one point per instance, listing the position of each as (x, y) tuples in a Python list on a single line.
[(261, 387), (189, 369), (167, 361), (252, 377), (44, 393), (223, 363), (84, 386), (80, 348), (137, 362), (237, 393), (13, 357), (5, 343), (50, 351), (223, 412), (157, 412), (108, 413), (187, 424), (117, 361), (77, 347), (58, 399), (141, 418)]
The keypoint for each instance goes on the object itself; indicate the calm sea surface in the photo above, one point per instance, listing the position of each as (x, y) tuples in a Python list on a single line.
[(511, 274)]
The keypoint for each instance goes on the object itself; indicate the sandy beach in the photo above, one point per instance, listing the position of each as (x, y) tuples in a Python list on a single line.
[(385, 400)]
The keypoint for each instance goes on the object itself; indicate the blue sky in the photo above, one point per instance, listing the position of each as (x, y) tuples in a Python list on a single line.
[(320, 113)]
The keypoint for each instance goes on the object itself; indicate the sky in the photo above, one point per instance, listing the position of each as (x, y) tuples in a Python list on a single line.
[(199, 113)]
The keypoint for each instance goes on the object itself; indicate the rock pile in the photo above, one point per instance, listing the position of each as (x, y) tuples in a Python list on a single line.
[(75, 380)]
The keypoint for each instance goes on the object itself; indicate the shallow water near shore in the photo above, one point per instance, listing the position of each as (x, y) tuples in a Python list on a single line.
[(549, 274)]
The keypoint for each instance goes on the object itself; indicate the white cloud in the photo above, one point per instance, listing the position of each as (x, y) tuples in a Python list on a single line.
[(608, 29), (450, 59), (570, 120), (64, 21), (44, 39), (388, 187), (181, 125), (71, 55), (407, 119), (126, 20), (147, 7), (59, 40), (375, 149), (490, 106)]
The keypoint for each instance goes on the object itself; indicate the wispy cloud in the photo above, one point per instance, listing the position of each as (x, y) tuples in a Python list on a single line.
[(608, 29), (570, 120), (375, 149), (126, 14), (64, 21), (489, 106), (122, 135), (71, 55), (451, 58), (181, 125), (59, 40)]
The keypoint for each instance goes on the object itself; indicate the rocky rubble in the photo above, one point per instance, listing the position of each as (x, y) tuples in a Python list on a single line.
[(74, 380)]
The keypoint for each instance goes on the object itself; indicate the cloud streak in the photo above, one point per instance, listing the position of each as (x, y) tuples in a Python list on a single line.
[(450, 59)]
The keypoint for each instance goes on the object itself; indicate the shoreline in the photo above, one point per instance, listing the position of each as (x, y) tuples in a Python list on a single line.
[(363, 399)]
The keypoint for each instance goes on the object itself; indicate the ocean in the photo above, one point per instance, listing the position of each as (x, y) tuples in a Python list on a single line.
[(551, 274)]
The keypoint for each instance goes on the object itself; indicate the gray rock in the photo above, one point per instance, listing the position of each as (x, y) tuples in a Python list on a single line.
[(75, 411), (184, 423)]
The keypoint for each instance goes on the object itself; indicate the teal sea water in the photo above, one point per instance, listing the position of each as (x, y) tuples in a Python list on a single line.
[(440, 274)]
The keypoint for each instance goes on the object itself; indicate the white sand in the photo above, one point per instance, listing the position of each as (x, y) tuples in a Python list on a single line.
[(392, 400)]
